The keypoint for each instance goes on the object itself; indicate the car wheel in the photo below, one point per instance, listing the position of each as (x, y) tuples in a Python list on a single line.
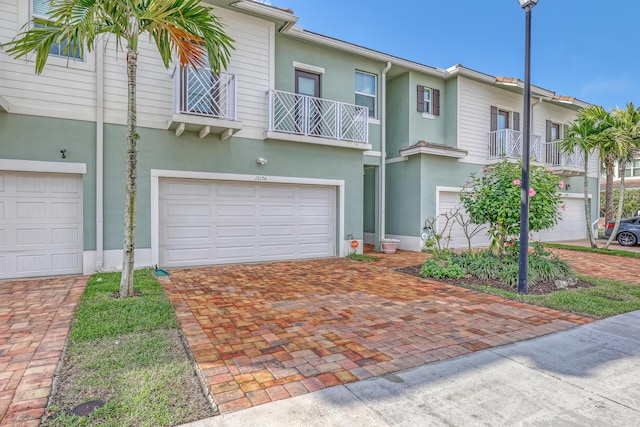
[(627, 239)]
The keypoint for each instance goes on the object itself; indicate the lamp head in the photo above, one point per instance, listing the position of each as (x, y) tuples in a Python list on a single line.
[(527, 4)]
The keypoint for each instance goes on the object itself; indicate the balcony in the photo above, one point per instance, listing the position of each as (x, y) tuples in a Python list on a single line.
[(204, 103), (507, 143), (563, 163), (312, 120)]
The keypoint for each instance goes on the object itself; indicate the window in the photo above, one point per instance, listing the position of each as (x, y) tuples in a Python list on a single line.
[(553, 131), (40, 9), (366, 91), (428, 101), (633, 169)]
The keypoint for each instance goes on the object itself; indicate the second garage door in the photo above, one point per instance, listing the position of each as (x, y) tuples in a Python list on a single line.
[(217, 222)]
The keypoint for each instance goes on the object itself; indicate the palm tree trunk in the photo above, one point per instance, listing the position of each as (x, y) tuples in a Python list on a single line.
[(608, 196), (126, 282), (623, 167), (587, 203)]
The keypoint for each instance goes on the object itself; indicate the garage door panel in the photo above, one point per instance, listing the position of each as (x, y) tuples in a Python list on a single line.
[(251, 222), (235, 210), (277, 210), (183, 211), (196, 255), (41, 228), (279, 231)]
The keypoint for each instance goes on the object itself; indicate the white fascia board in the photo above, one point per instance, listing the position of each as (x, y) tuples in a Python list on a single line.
[(268, 11), (39, 166), (434, 151)]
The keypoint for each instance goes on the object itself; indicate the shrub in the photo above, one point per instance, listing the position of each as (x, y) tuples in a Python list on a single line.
[(441, 269)]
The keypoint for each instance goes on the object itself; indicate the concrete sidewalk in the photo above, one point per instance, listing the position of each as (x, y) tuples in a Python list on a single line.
[(586, 376)]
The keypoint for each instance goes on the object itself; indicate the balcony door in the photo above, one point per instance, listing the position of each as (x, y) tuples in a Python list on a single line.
[(308, 115)]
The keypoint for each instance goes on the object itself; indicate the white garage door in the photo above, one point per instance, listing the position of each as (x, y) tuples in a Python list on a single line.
[(571, 226), (448, 205), (217, 222), (40, 224)]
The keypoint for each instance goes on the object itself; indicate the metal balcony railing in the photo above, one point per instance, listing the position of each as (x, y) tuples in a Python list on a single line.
[(554, 157), (508, 143), (201, 92), (309, 116)]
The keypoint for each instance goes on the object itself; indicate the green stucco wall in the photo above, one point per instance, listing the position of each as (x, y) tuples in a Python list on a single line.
[(420, 128), (397, 115), (338, 81), (159, 149), (40, 138)]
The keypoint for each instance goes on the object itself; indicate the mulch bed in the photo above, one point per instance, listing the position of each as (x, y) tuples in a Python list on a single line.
[(472, 282)]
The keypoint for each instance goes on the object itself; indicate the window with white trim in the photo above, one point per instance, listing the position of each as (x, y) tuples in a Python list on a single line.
[(367, 91), (40, 9), (632, 169)]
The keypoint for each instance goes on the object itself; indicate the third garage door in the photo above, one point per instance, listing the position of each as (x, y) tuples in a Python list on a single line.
[(216, 222)]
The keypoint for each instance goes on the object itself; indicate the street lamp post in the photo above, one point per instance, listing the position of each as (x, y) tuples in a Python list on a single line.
[(523, 260)]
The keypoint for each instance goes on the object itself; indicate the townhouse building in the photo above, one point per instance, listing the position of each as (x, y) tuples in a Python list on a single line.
[(302, 145)]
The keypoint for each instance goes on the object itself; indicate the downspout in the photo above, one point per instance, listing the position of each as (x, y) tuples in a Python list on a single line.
[(383, 150), (100, 155)]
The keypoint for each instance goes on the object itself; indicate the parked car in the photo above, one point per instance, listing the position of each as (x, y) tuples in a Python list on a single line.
[(628, 231)]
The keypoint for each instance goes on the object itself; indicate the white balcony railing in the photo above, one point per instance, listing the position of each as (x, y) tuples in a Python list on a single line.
[(552, 156), (201, 92), (508, 143), (309, 116)]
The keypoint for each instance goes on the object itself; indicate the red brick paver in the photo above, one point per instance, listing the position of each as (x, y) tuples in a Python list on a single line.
[(35, 318), (266, 332), (602, 266)]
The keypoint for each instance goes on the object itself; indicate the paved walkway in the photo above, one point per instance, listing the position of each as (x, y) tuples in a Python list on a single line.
[(267, 332), (585, 376), (35, 318)]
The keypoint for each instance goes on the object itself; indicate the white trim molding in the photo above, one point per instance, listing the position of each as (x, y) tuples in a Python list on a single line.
[(157, 174), (316, 140), (306, 67), (40, 166)]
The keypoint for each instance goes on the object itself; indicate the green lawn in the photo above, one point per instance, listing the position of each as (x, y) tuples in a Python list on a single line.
[(129, 354)]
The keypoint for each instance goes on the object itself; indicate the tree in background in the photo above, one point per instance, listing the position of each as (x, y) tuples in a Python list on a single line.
[(624, 145), (587, 133), (184, 27)]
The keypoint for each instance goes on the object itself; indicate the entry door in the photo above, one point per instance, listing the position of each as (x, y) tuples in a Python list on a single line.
[(308, 111)]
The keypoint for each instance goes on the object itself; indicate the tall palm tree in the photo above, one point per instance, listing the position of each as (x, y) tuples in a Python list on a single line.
[(625, 143), (585, 134), (184, 27)]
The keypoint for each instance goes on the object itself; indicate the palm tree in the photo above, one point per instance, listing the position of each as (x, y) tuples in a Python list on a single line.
[(585, 134), (184, 27), (625, 141)]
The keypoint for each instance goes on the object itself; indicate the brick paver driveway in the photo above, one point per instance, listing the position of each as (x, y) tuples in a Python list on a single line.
[(35, 317), (265, 332)]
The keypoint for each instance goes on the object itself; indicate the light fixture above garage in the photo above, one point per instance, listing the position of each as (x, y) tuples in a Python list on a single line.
[(262, 161)]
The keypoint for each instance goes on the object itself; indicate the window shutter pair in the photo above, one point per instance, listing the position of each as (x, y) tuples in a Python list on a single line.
[(494, 119), (435, 101)]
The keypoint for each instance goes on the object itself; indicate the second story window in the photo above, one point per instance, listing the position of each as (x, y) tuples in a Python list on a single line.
[(553, 131), (40, 9), (428, 101), (632, 169), (366, 91)]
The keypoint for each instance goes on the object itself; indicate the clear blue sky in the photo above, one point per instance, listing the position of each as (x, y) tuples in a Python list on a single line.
[(589, 49)]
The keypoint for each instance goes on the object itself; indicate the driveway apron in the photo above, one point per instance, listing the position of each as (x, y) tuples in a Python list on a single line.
[(35, 318), (266, 332)]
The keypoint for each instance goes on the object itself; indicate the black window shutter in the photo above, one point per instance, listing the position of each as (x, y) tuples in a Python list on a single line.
[(516, 120), (494, 119), (420, 99), (436, 102), (549, 125)]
